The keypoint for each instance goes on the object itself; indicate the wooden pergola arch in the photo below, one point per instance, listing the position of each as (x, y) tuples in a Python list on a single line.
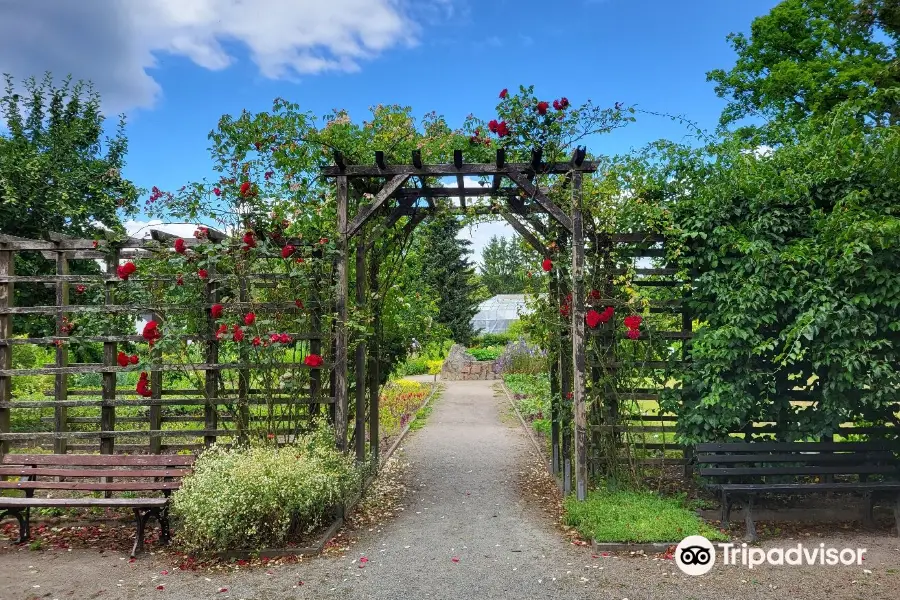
[(522, 201)]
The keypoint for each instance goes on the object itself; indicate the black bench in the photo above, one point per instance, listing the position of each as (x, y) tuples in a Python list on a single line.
[(746, 469), (145, 474)]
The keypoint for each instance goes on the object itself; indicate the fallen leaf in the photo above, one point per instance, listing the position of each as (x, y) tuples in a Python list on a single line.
[(160, 587), (455, 559), (223, 589)]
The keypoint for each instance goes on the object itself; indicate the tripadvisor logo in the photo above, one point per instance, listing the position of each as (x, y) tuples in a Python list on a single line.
[(696, 555)]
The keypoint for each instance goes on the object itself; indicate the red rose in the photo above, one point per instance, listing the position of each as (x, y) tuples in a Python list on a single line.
[(633, 321), (257, 341), (323, 241), (634, 334), (592, 318), (79, 289), (275, 338), (217, 310), (287, 251), (563, 103), (257, 144), (606, 315), (249, 240), (249, 318), (180, 248), (202, 274), (124, 271), (595, 294), (564, 310), (143, 386), (245, 189), (179, 280), (299, 260), (285, 338), (122, 359), (238, 334), (133, 359), (313, 360), (151, 332), (222, 330), (217, 191), (542, 107), (95, 244), (201, 232), (299, 303), (502, 129), (547, 264), (492, 125)]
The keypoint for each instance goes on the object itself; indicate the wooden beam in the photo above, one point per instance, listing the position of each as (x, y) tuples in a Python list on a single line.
[(107, 411), (339, 162), (536, 157), (454, 192), (374, 369), (61, 380), (522, 181), (7, 269), (460, 186), (442, 169), (360, 367), (366, 213), (417, 159), (379, 160), (341, 398), (532, 240), (212, 376), (578, 342)]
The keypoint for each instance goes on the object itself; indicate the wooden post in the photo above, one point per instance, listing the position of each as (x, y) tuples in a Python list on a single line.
[(110, 350), (61, 384), (687, 327), (565, 387), (554, 389), (7, 269), (243, 404), (374, 369), (210, 409), (578, 361), (315, 344), (360, 367), (155, 395), (341, 394)]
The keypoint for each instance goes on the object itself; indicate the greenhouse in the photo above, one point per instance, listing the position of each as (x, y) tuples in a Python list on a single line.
[(496, 314)]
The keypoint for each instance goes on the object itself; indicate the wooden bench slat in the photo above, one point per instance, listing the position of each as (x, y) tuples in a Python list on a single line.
[(50, 472), (814, 470), (751, 447), (853, 457), (100, 460), (788, 488), (82, 502), (91, 486)]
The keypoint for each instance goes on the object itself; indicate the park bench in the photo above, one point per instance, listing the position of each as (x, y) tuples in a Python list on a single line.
[(104, 473), (747, 469)]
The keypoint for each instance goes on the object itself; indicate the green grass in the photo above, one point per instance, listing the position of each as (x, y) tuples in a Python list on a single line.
[(631, 516), (423, 413)]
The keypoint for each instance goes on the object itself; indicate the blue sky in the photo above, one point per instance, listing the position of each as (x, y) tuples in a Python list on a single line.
[(175, 66)]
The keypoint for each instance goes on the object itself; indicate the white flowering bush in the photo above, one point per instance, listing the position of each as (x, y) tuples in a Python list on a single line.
[(258, 496)]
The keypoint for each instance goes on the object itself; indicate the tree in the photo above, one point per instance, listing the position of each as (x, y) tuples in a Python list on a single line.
[(55, 177), (503, 266), (807, 56), (449, 273)]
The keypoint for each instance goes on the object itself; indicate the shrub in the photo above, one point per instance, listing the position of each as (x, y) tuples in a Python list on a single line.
[(258, 496), (489, 353), (412, 366), (434, 366), (522, 357)]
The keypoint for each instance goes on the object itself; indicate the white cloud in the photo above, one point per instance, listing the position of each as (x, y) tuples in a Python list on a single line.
[(480, 234), (114, 43)]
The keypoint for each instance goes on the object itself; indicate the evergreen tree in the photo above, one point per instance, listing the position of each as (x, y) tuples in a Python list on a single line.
[(503, 266), (450, 274)]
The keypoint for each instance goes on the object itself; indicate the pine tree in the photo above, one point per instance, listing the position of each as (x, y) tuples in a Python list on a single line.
[(450, 274)]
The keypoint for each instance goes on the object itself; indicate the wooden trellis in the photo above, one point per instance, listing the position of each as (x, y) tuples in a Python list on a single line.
[(223, 417), (521, 201)]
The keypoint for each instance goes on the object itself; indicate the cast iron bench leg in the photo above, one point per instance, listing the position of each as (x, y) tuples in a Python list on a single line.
[(726, 509), (141, 516), (897, 512), (163, 518), (751, 526), (24, 529), (868, 510)]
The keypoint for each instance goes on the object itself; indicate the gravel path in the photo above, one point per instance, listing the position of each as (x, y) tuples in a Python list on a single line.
[(466, 503)]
